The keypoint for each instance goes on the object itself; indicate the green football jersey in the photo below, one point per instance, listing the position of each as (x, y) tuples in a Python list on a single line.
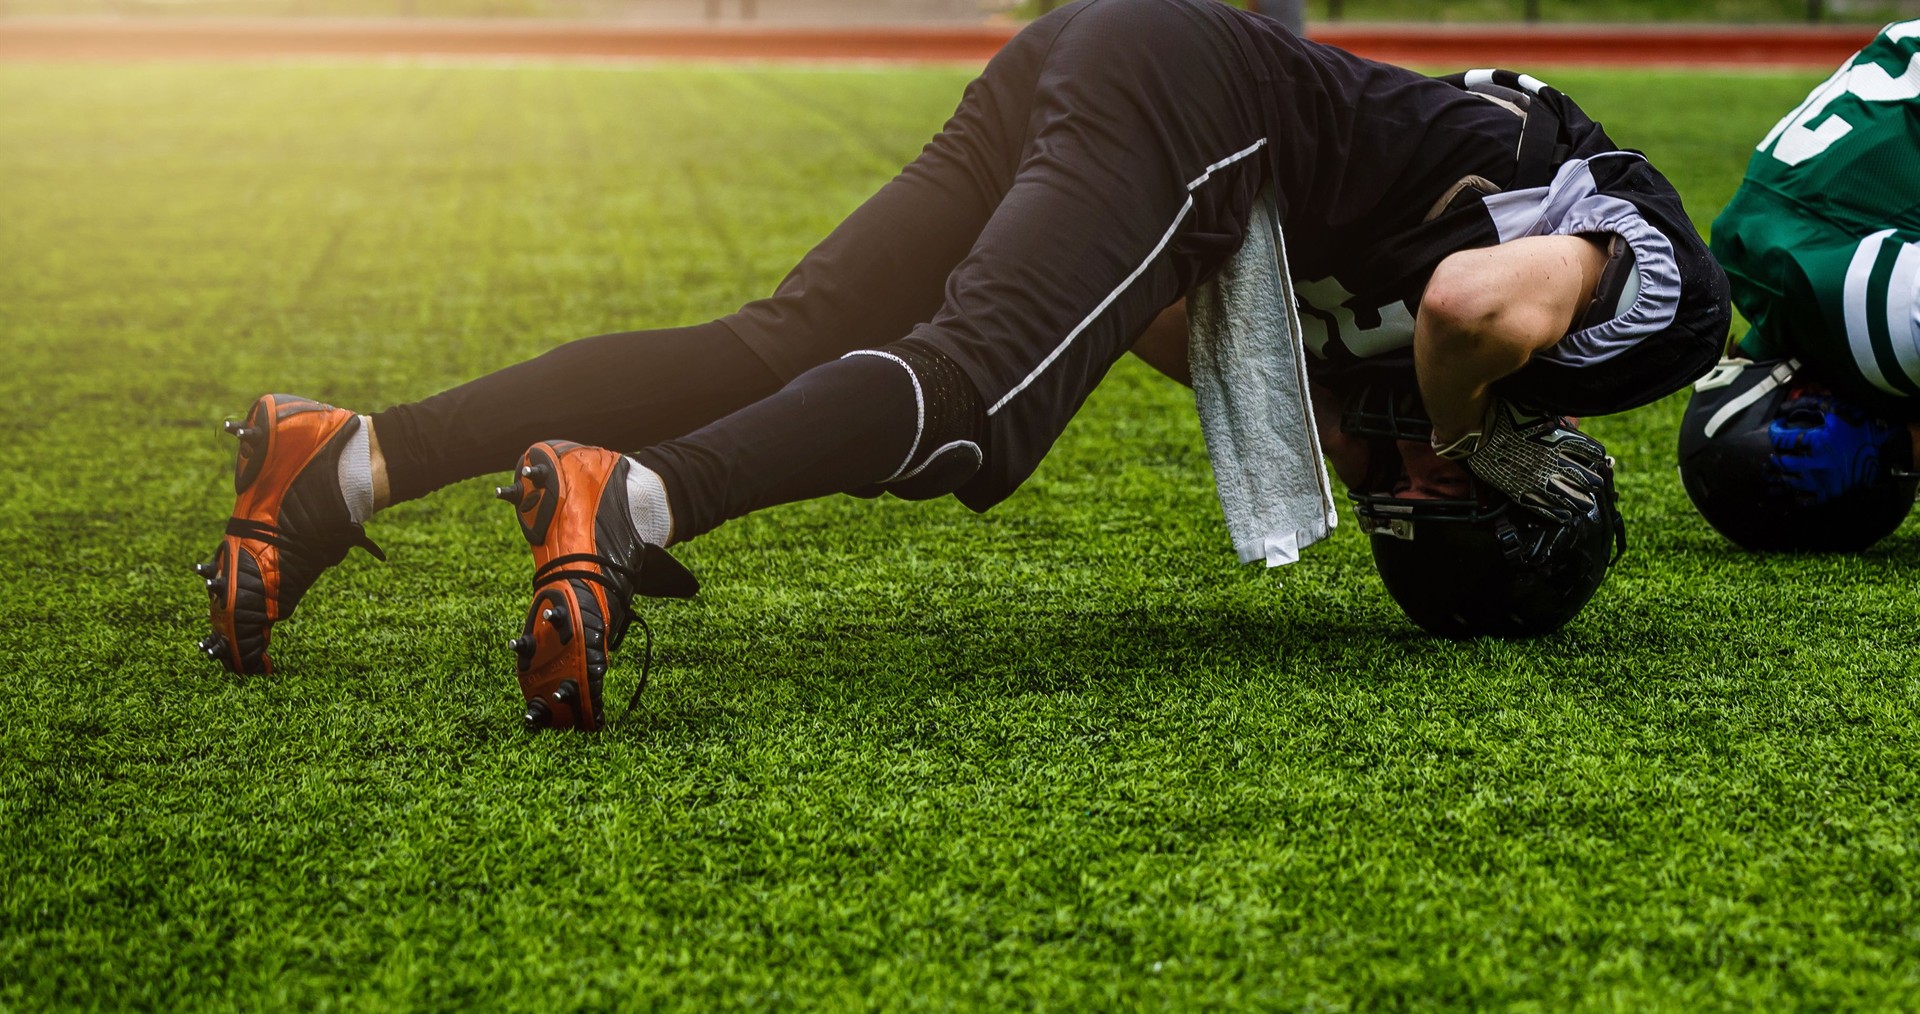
[(1822, 241)]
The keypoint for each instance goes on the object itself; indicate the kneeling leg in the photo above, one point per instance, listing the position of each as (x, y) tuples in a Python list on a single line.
[(902, 418)]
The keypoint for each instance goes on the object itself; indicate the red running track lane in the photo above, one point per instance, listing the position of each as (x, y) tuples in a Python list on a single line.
[(1427, 45)]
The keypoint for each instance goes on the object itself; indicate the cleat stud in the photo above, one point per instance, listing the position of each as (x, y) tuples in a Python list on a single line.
[(536, 474), (568, 693), (232, 427), (205, 570), (537, 716), (549, 614), (217, 587), (510, 494)]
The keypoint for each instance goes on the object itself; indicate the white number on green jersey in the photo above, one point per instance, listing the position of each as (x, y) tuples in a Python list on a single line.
[(1810, 130)]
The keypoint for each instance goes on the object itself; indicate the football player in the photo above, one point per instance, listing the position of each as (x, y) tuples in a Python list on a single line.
[(1804, 440), (1478, 238)]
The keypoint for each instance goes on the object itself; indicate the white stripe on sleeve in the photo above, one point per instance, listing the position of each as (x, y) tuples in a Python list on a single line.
[(1854, 302), (1902, 308)]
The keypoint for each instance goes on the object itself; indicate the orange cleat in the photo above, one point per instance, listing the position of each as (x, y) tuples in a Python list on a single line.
[(289, 523), (588, 565)]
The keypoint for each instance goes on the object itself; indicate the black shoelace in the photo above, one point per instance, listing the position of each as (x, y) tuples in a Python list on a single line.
[(261, 532)]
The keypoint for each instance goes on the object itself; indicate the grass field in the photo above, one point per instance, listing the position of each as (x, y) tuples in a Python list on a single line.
[(1067, 754)]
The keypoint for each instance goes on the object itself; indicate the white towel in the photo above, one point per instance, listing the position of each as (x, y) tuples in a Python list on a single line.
[(1250, 385)]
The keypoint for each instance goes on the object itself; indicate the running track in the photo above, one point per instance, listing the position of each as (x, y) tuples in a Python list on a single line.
[(1434, 45)]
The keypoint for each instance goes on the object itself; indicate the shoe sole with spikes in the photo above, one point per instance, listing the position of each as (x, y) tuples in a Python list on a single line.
[(289, 523), (571, 501)]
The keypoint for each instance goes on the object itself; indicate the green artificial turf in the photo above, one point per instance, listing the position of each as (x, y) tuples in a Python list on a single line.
[(1066, 754)]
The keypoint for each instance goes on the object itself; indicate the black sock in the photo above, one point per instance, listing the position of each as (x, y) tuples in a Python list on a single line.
[(840, 426)]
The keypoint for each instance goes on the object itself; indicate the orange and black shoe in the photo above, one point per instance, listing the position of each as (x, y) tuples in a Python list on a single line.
[(289, 523), (588, 564)]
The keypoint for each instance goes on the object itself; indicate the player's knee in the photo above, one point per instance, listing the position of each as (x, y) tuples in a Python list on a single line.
[(1469, 314), (949, 443)]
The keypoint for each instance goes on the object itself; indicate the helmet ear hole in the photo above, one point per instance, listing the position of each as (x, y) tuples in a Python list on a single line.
[(1802, 417)]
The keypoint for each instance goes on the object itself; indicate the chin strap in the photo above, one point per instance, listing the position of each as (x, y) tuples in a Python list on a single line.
[(1459, 450)]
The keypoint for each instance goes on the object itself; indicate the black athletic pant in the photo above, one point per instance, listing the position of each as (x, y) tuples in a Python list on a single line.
[(616, 390), (1103, 164)]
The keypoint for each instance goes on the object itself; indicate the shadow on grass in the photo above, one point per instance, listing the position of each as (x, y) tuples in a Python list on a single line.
[(1115, 658)]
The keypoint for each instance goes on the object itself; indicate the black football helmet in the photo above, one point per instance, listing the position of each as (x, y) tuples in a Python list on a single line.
[(1776, 461), (1480, 566)]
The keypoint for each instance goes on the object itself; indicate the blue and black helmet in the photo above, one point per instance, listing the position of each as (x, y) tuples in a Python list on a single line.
[(1776, 461)]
